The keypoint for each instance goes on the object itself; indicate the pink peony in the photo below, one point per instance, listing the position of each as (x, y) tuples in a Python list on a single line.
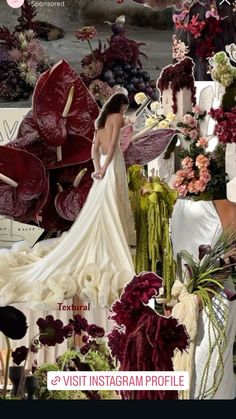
[(202, 142), (189, 120), (200, 185), (193, 134), (197, 109), (202, 161), (183, 190), (190, 174), (205, 175), (187, 163)]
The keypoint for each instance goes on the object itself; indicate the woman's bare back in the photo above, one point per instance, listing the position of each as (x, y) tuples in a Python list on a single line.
[(104, 135)]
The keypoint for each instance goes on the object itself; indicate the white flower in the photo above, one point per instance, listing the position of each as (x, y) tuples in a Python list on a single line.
[(155, 105), (170, 117), (231, 51), (163, 124), (140, 98), (149, 121)]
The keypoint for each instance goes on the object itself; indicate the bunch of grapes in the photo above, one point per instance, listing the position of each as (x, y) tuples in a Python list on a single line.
[(132, 77), (12, 86)]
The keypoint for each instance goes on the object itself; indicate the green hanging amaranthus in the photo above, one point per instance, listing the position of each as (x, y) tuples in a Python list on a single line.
[(152, 202)]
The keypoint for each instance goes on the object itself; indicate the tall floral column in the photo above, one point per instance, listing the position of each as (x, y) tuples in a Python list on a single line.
[(225, 74)]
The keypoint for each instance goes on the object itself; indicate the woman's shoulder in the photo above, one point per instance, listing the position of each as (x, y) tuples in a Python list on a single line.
[(118, 117)]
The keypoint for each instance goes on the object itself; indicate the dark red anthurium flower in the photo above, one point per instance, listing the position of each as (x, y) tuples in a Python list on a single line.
[(23, 184)]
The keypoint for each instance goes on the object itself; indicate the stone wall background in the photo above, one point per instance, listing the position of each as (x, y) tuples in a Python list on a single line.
[(77, 12)]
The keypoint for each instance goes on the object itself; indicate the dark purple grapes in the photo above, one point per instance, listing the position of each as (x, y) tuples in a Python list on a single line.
[(111, 82), (134, 80), (108, 74), (141, 87), (127, 67), (119, 73), (13, 81), (146, 76), (133, 71)]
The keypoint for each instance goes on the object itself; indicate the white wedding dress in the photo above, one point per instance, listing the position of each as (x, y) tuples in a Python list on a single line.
[(92, 260), (195, 223)]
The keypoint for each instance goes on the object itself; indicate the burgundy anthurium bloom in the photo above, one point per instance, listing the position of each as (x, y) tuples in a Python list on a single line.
[(49, 219), (63, 106), (23, 185), (69, 202)]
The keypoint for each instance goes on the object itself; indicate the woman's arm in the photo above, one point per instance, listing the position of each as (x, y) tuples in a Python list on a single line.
[(95, 153), (117, 123)]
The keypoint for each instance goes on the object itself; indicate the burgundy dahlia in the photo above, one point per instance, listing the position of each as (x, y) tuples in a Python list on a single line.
[(79, 324), (96, 331), (51, 331), (141, 289), (19, 354)]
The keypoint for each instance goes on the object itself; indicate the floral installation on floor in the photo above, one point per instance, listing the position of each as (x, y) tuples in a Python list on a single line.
[(93, 355), (142, 339), (22, 60), (202, 174), (116, 63)]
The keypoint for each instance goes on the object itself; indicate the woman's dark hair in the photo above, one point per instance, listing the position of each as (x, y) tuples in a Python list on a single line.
[(113, 105)]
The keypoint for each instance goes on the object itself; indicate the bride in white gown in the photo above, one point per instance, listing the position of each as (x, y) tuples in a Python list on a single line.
[(93, 259), (195, 223)]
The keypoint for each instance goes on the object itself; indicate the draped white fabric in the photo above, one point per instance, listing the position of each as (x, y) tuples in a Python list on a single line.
[(92, 260), (195, 223)]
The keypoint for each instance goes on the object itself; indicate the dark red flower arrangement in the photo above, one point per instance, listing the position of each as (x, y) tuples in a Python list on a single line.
[(55, 140), (177, 77), (225, 128), (143, 340), (202, 31)]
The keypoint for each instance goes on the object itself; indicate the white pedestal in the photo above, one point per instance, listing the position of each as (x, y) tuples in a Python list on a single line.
[(184, 102)]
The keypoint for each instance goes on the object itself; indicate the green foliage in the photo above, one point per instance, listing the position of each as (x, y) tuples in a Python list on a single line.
[(44, 394), (153, 204)]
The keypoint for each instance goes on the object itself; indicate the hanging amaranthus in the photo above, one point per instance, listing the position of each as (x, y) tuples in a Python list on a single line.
[(152, 203)]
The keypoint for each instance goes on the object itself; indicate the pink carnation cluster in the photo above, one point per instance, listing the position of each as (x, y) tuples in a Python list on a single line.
[(225, 129), (194, 177)]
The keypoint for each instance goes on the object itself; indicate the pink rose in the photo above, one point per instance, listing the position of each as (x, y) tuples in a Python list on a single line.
[(193, 134)]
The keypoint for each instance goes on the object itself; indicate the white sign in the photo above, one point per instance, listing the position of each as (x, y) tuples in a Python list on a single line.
[(10, 231), (10, 119)]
